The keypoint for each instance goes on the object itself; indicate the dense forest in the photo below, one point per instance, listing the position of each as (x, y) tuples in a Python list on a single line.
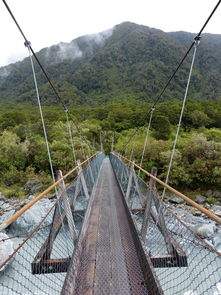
[(109, 81), (197, 163), (127, 63)]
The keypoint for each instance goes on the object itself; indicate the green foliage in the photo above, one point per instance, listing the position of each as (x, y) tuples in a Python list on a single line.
[(162, 127), (213, 134), (129, 66), (23, 153), (109, 91), (13, 152)]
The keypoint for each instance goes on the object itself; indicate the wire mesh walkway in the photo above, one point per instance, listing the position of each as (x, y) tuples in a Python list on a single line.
[(111, 254), (109, 260)]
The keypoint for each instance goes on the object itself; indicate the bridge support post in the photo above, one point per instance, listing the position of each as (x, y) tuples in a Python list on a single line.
[(90, 171), (81, 175), (152, 188), (67, 208), (130, 181)]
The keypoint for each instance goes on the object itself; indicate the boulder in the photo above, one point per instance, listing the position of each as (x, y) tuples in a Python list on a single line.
[(217, 210), (204, 230), (200, 199), (32, 217), (176, 200), (32, 186), (6, 248), (209, 194), (6, 207), (6, 216), (2, 198)]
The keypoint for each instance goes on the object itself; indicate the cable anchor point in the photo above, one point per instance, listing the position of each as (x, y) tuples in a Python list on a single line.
[(197, 40), (27, 44)]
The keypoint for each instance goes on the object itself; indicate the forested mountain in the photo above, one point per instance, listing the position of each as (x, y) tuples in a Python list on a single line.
[(127, 63)]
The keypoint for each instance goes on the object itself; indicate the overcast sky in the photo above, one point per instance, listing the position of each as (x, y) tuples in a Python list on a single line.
[(48, 22)]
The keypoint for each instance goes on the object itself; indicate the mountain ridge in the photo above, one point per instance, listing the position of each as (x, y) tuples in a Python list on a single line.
[(128, 62)]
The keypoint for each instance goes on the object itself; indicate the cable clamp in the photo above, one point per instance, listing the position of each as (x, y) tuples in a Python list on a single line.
[(197, 40), (27, 44)]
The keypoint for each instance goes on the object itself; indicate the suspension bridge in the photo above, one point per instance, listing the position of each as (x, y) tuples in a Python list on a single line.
[(109, 232)]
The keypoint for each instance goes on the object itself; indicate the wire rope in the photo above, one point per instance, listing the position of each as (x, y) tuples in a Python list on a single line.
[(181, 116), (70, 136), (180, 64), (27, 43), (46, 139), (132, 146), (41, 114), (146, 139)]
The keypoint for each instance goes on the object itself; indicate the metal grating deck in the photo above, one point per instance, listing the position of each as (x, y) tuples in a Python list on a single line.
[(107, 262)]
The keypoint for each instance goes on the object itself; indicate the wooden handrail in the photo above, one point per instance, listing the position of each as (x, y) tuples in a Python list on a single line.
[(179, 194), (12, 218)]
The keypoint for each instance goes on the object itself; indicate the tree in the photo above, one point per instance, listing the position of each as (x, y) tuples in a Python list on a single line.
[(199, 119), (162, 127)]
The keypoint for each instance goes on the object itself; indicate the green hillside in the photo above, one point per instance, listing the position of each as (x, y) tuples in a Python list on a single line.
[(128, 63)]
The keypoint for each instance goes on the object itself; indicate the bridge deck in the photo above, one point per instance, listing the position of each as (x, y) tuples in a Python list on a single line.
[(108, 262)]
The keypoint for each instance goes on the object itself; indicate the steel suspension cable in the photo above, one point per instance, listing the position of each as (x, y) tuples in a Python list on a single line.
[(197, 37), (35, 56), (146, 139), (41, 113), (180, 64), (181, 116), (82, 138), (70, 136), (45, 136), (38, 61), (133, 143)]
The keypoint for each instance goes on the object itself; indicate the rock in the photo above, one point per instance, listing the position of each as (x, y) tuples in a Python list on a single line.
[(209, 194), (176, 200), (32, 186), (218, 213), (204, 230), (197, 213), (6, 248), (1, 202), (6, 207), (24, 202), (32, 217), (217, 210), (6, 216), (200, 199), (51, 196), (217, 194), (31, 197), (2, 198), (207, 206)]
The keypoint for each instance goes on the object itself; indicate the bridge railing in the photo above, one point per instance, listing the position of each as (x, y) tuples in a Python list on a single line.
[(185, 264), (44, 237)]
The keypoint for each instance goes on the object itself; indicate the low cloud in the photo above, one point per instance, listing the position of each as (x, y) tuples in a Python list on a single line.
[(5, 72), (100, 38), (69, 51)]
